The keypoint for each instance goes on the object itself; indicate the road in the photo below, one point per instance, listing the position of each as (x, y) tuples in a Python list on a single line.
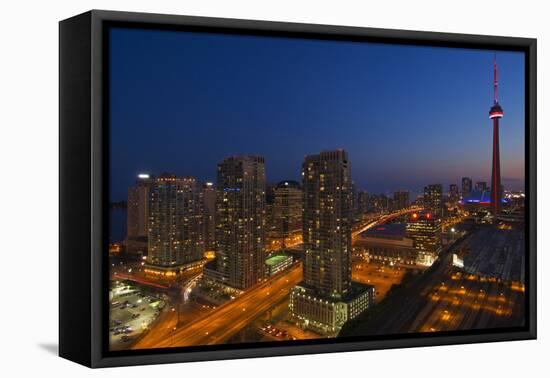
[(227, 319), (381, 219)]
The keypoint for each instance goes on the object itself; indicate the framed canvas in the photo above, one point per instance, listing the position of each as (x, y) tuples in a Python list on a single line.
[(234, 188)]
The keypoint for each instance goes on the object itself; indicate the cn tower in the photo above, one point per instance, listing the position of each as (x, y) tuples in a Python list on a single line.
[(495, 114)]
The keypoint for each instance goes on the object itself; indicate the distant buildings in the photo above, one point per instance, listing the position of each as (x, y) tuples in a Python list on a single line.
[(481, 186), (240, 222), (137, 220), (425, 230), (401, 199), (379, 203), (454, 195), (209, 216), (433, 199), (175, 239), (287, 211), (326, 298), (363, 202), (466, 186), (138, 207)]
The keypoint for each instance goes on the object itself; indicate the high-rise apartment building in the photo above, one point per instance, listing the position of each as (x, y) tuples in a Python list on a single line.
[(466, 186), (327, 223), (240, 221), (209, 216), (287, 210), (401, 199), (363, 202), (454, 195), (175, 223), (326, 298), (137, 216), (481, 186), (138, 207), (433, 199)]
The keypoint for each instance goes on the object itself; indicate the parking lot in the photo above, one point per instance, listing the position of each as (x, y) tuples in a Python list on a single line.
[(383, 277), (131, 312)]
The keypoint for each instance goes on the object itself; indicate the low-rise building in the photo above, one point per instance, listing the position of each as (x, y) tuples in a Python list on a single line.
[(276, 263), (387, 244), (325, 315)]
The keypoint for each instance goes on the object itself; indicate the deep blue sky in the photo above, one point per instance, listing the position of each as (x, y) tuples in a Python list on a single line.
[(407, 115)]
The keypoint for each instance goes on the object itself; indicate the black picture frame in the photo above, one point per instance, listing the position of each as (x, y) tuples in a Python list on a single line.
[(83, 120)]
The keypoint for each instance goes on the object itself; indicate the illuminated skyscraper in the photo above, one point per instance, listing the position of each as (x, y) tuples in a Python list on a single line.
[(495, 113), (287, 210), (363, 202), (401, 199), (240, 221), (175, 222), (209, 215), (481, 186), (454, 196), (466, 186), (327, 223), (433, 199), (138, 208), (326, 298), (425, 230)]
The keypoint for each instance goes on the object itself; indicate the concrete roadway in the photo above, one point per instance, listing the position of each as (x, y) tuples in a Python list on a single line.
[(229, 318)]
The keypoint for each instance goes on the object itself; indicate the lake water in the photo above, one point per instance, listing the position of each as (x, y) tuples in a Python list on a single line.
[(117, 220)]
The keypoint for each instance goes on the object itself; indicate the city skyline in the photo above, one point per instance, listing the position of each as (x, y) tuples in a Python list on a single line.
[(397, 152), (275, 197)]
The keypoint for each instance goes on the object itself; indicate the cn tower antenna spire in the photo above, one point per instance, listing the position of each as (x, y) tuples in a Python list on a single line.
[(495, 80)]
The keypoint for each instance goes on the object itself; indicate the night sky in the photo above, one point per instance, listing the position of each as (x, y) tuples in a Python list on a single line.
[(407, 115)]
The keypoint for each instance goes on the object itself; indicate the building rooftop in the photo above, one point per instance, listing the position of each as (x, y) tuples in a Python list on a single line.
[(394, 230), (480, 197), (288, 184), (276, 259)]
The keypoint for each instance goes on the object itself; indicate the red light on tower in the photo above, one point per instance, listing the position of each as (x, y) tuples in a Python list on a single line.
[(415, 215), (428, 216)]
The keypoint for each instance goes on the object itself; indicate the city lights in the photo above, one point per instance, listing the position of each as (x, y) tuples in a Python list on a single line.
[(237, 250)]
